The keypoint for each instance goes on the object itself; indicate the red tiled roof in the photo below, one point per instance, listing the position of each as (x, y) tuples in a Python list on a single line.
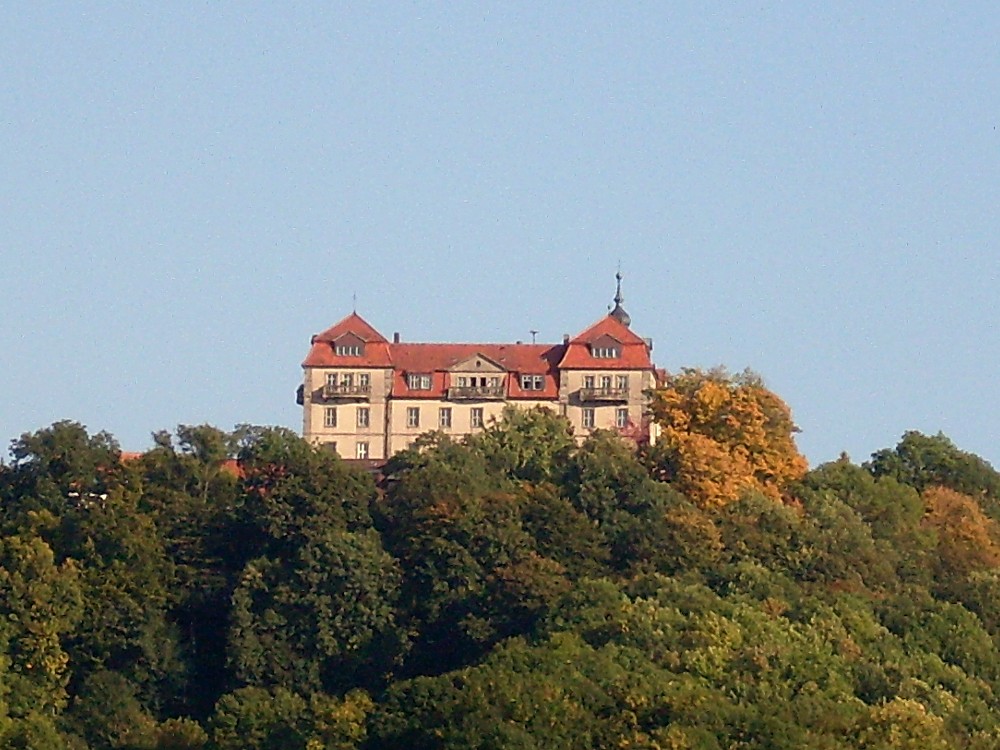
[(355, 324), (323, 354), (517, 359), (634, 354)]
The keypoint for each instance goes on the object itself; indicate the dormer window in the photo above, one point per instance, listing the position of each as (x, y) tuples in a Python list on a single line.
[(606, 347), (532, 382), (349, 345), (418, 381)]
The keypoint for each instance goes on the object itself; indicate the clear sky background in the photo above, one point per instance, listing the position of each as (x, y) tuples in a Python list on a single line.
[(189, 191)]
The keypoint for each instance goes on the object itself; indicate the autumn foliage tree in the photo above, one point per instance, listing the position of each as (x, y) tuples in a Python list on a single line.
[(723, 435)]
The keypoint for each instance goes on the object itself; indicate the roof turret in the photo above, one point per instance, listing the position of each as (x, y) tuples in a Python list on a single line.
[(618, 313)]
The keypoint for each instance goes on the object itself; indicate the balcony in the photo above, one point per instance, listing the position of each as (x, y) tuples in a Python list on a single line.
[(333, 391), (476, 393), (608, 395)]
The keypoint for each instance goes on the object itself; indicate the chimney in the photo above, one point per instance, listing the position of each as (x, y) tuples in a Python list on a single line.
[(395, 337), (565, 339)]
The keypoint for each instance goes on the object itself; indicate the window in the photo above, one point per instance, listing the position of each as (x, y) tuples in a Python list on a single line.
[(606, 382), (604, 352), (495, 382), (331, 380), (362, 450), (461, 381), (330, 416), (348, 350), (347, 380), (588, 418), (413, 416), (532, 382), (364, 380), (621, 382), (476, 418), (444, 417), (418, 381), (588, 381), (621, 418), (364, 416)]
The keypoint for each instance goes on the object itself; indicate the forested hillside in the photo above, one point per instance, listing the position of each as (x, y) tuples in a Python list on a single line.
[(514, 590)]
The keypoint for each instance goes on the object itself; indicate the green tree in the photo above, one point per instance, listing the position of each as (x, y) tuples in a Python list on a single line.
[(924, 461), (40, 604), (531, 445), (322, 621), (253, 718)]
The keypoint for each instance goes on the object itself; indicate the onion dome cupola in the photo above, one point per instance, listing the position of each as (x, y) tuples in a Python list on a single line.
[(618, 312)]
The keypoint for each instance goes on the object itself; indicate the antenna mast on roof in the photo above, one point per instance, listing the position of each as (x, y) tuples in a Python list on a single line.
[(354, 302), (533, 333)]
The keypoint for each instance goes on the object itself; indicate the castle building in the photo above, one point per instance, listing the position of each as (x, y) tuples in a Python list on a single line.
[(367, 397)]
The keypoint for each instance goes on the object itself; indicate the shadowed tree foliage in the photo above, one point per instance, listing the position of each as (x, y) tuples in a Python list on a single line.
[(512, 590)]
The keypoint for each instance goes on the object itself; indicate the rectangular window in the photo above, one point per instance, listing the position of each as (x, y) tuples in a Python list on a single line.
[(413, 416), (330, 416), (461, 381), (476, 418), (444, 417), (495, 382), (364, 416), (588, 418), (362, 450), (604, 352), (588, 381), (532, 382), (418, 381), (621, 382), (606, 381), (331, 379), (364, 379), (347, 380), (621, 418), (348, 350)]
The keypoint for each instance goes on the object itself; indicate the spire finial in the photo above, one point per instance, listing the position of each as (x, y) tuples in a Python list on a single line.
[(618, 313), (354, 302)]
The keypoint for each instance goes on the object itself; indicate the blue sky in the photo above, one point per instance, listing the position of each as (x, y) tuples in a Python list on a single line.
[(188, 191)]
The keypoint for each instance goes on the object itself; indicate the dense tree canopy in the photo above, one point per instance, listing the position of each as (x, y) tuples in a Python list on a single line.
[(519, 589), (723, 435)]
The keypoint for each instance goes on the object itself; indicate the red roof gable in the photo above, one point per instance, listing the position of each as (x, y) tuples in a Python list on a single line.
[(323, 353), (634, 350), (355, 324)]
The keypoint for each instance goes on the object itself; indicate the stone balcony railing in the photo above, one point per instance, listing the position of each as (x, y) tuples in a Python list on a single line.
[(476, 393), (615, 395), (345, 390)]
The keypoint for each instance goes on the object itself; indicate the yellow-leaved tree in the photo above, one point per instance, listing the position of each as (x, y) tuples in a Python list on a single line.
[(722, 435)]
